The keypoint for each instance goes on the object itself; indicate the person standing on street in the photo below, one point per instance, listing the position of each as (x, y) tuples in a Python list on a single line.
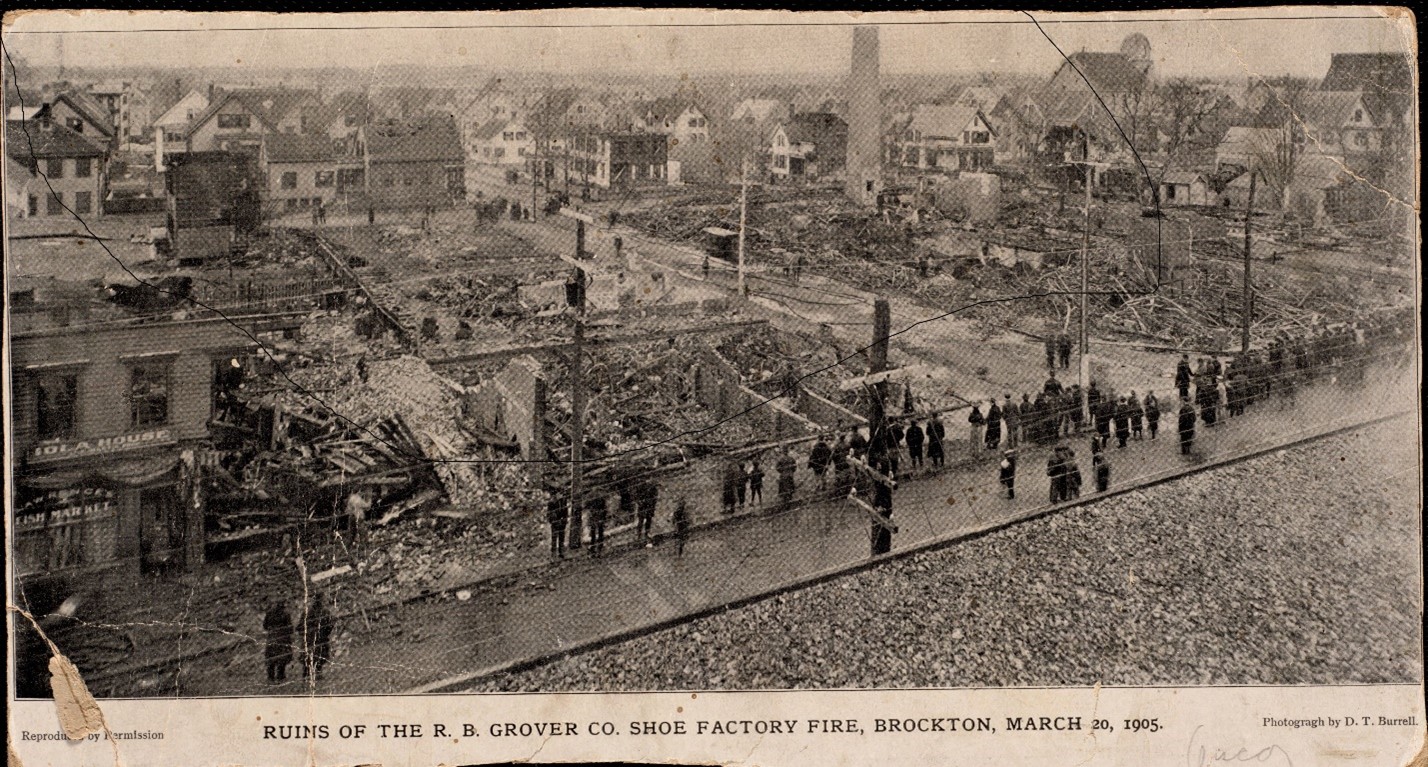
[(1137, 416), (741, 487), (1011, 417), (756, 483), (1182, 375), (1050, 352), (597, 509), (1152, 413), (1122, 418), (1073, 472), (646, 505), (732, 478), (976, 422), (1063, 350), (858, 444), (1187, 426), (557, 515), (278, 652), (936, 435), (915, 438), (1056, 471), (818, 460), (1007, 474), (681, 522), (994, 425), (1102, 468), (786, 467)]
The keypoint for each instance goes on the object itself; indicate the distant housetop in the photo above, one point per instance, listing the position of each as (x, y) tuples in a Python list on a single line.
[(934, 121), (1108, 72), (25, 139), (269, 105), (431, 139), (298, 147), (816, 128)]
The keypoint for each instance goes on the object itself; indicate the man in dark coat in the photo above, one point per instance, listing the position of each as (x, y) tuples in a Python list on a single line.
[(1122, 418), (1104, 413), (1073, 472), (994, 426), (936, 436), (1137, 416), (786, 467), (1102, 467), (1052, 387), (732, 479), (681, 522), (278, 625), (557, 514), (646, 503), (1187, 426), (915, 438), (1152, 413), (818, 459), (1063, 350), (1050, 352), (597, 510), (1073, 406), (1007, 474), (976, 422), (1011, 418), (316, 637), (1182, 375), (1026, 415), (1056, 471)]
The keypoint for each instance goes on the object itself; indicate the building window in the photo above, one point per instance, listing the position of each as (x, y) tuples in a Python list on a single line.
[(83, 167), (323, 178), (54, 205), (34, 205), (1169, 191), (75, 124), (289, 179), (500, 151), (232, 122), (54, 167), (149, 395), (1360, 140), (520, 135), (780, 161), (55, 399), (83, 202), (388, 180), (506, 136), (173, 137)]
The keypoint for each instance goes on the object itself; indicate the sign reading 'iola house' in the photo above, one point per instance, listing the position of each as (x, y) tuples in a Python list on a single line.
[(60, 451)]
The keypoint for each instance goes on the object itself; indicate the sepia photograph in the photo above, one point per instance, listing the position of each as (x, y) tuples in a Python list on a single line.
[(598, 351)]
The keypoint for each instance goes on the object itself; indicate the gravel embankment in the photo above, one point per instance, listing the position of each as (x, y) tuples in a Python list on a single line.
[(1299, 567)]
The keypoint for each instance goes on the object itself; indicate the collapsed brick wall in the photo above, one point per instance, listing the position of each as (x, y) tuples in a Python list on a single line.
[(718, 387), (512, 403)]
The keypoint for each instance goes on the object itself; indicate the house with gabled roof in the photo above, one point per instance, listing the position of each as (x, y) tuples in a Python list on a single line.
[(950, 138), (807, 146), (500, 141), (237, 120), (414, 164), (672, 116), (303, 170), (67, 168)]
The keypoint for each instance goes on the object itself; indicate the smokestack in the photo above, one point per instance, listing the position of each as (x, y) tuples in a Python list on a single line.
[(865, 113)]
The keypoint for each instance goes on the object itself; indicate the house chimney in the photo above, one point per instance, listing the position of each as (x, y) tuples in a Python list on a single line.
[(863, 173), (210, 93)]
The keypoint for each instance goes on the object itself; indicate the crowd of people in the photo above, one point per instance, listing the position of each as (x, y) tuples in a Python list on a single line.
[(1207, 391), (314, 635)]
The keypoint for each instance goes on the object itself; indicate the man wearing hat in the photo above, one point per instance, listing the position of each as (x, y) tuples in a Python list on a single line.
[(1008, 473)]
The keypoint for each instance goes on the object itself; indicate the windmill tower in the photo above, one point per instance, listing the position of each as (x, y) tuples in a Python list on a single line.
[(863, 179)]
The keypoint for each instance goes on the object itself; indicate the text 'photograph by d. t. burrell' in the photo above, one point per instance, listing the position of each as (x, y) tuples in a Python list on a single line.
[(372, 380)]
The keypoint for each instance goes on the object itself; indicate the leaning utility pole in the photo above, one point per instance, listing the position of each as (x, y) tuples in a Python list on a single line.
[(1249, 287), (743, 217)]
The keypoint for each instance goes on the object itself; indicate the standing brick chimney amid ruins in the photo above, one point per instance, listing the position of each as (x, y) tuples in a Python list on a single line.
[(864, 163)]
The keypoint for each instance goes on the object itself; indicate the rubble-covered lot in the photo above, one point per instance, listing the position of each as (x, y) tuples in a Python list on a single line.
[(1297, 567)]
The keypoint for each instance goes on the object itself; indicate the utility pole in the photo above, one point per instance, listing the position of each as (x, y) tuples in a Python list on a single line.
[(1085, 342), (1249, 287), (577, 395), (743, 218), (879, 465)]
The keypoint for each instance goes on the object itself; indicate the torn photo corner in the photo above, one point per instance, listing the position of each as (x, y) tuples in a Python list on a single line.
[(713, 387)]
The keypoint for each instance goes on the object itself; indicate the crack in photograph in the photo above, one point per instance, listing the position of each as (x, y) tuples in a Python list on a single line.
[(729, 354)]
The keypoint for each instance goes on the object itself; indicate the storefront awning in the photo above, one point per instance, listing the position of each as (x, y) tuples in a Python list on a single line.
[(130, 472)]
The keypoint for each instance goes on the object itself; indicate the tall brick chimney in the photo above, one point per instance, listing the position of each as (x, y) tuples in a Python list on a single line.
[(865, 110)]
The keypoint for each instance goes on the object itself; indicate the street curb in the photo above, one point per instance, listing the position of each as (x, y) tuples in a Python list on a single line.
[(457, 683)]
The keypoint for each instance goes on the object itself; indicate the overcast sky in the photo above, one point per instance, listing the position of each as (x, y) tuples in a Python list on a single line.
[(1223, 44)]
